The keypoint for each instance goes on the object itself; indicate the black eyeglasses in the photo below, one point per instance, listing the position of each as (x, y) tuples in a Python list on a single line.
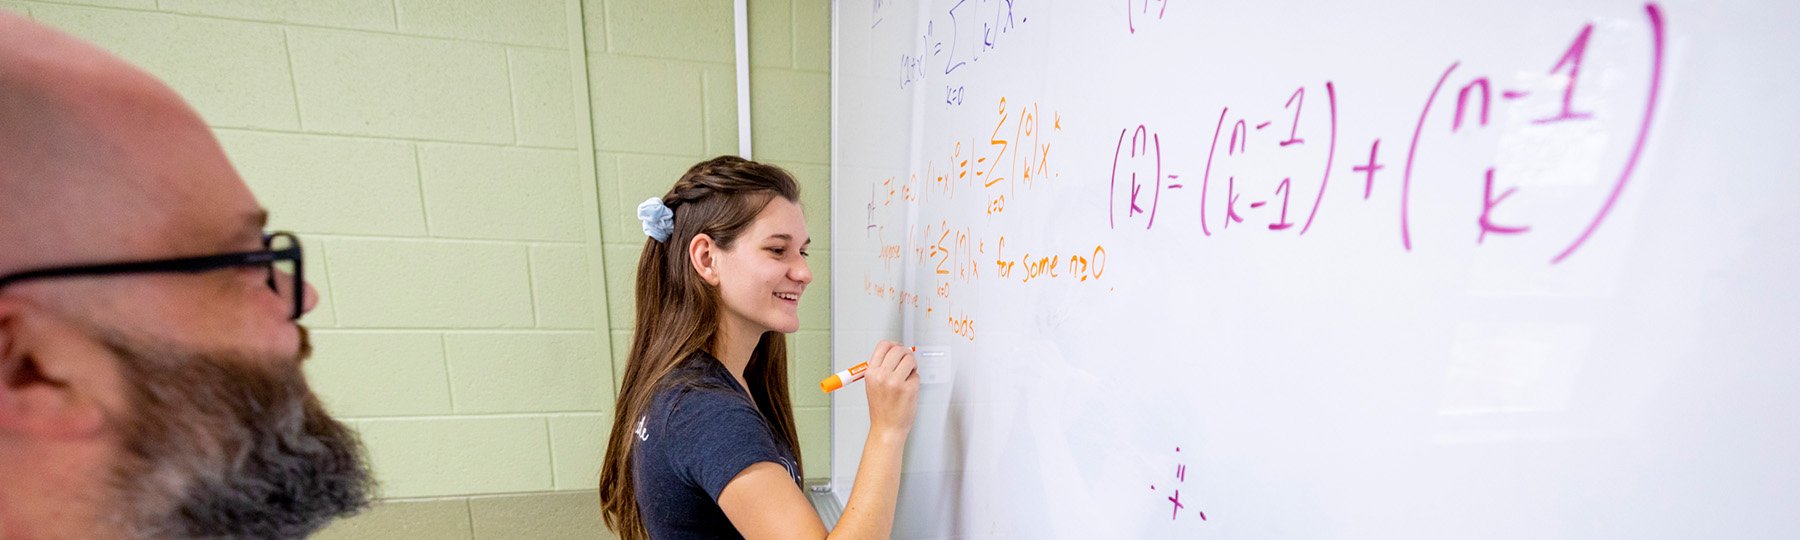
[(280, 254)]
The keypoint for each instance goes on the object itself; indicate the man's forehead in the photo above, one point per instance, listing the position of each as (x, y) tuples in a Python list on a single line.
[(130, 148), (190, 194), (229, 225)]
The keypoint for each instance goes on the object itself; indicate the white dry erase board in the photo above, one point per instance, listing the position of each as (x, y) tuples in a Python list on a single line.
[(1348, 269)]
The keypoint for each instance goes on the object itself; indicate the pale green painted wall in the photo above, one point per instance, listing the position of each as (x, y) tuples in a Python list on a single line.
[(473, 247), (663, 98)]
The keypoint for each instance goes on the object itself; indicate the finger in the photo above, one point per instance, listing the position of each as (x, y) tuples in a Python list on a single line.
[(894, 357), (880, 355), (906, 365)]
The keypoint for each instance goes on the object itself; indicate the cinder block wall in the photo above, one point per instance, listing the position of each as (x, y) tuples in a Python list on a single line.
[(663, 91), (464, 175)]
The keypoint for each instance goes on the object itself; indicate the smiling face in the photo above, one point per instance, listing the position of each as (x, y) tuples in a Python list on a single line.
[(763, 274)]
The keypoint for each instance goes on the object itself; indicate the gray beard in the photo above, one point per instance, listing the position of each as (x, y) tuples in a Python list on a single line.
[(223, 445)]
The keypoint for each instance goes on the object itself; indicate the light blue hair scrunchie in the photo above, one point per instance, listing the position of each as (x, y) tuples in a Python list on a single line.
[(659, 220)]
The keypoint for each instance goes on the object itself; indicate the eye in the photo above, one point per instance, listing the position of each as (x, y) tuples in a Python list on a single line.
[(803, 253), (778, 251)]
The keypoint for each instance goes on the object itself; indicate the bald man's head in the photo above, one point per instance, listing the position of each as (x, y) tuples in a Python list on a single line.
[(145, 404), (97, 158)]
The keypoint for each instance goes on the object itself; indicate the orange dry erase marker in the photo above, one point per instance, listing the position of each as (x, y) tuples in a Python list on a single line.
[(841, 378)]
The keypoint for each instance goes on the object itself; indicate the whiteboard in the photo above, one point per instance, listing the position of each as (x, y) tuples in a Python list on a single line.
[(1401, 269)]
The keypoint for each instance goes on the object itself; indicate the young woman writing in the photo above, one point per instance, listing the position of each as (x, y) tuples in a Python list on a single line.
[(703, 442)]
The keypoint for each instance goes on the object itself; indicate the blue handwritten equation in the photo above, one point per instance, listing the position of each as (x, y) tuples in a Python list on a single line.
[(955, 39)]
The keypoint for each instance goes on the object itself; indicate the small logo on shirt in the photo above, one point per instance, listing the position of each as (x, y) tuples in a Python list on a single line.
[(642, 432), (792, 471)]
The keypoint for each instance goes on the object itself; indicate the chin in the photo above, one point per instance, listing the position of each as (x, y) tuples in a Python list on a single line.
[(785, 327)]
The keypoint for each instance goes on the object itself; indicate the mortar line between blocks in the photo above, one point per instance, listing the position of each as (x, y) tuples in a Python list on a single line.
[(393, 31), (400, 138), (287, 52), (727, 63), (440, 239), (793, 33), (419, 178), (606, 45), (449, 381), (484, 416), (706, 112), (550, 447), (325, 266), (467, 331), (482, 495), (512, 91), (531, 289), (469, 510)]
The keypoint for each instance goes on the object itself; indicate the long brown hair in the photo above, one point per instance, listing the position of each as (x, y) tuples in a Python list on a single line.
[(678, 315)]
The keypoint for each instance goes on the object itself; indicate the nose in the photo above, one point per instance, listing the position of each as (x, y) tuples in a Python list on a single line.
[(310, 299), (281, 280), (801, 273)]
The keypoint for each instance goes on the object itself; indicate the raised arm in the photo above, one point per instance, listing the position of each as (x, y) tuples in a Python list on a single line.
[(763, 502)]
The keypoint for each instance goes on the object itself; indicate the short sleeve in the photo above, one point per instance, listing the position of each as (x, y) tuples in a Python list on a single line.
[(728, 434)]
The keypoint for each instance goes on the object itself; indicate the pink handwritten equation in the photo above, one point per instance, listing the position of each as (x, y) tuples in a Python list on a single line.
[(1145, 10), (1174, 497), (1138, 163), (1142, 172)]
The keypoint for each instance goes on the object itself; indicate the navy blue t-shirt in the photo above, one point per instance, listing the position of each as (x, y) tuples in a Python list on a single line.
[(700, 431)]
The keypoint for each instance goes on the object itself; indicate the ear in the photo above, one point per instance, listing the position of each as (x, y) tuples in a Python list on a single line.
[(42, 393), (702, 253)]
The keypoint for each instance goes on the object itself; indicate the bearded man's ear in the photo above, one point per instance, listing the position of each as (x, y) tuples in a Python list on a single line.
[(41, 386)]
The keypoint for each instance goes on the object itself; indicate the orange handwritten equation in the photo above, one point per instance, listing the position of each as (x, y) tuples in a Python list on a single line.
[(1081, 266), (977, 177), (958, 258), (951, 252), (962, 326), (889, 292), (1014, 154), (959, 254)]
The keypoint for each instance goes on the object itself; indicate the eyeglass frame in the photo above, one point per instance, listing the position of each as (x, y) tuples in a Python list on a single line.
[(191, 265)]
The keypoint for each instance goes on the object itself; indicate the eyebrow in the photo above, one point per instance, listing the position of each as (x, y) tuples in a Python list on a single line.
[(790, 238), (253, 224)]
